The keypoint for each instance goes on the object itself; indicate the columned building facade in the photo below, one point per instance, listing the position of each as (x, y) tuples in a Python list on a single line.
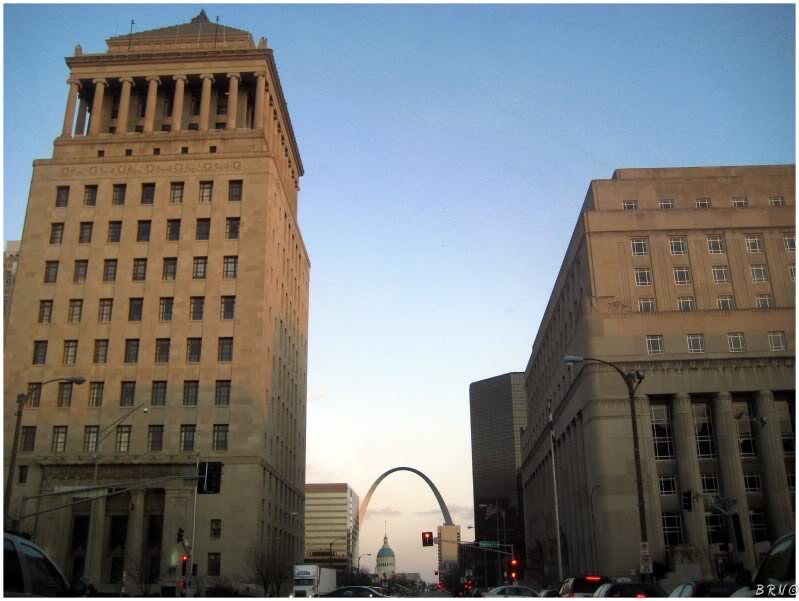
[(162, 261), (688, 276)]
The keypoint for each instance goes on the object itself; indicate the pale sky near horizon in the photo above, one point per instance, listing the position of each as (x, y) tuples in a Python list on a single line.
[(447, 152)]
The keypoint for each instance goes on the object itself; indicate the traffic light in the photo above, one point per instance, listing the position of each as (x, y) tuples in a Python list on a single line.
[(209, 478), (194, 569), (180, 535), (513, 569), (184, 564), (427, 539), (687, 500)]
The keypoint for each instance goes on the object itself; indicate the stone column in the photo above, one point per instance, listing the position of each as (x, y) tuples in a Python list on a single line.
[(732, 477), (99, 550), (96, 121), (205, 100), (232, 100), (83, 109), (69, 115), (135, 539), (124, 105), (260, 92), (177, 106), (149, 111), (689, 477), (775, 478), (646, 448)]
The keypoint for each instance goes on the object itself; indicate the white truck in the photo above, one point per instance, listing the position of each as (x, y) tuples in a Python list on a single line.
[(313, 581)]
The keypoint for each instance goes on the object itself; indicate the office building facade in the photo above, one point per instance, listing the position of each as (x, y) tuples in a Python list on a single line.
[(162, 260), (686, 275), (331, 526)]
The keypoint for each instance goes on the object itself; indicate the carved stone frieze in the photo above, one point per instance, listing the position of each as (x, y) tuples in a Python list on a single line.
[(150, 169)]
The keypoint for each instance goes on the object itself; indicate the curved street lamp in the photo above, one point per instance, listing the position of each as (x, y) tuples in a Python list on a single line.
[(21, 400), (359, 560)]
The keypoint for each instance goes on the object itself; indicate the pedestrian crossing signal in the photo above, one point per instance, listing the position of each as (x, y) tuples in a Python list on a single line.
[(427, 539)]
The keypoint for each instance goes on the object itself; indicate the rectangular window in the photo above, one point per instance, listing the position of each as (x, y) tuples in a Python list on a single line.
[(56, 233), (643, 276), (59, 439), (162, 350), (118, 194), (206, 191), (81, 268), (96, 394), (759, 273), (736, 342), (187, 437), (721, 275), (672, 529), (90, 438), (196, 307), (70, 352), (216, 528), (754, 243), (661, 432), (222, 393), (105, 309), (646, 305), (61, 196), (158, 396), (702, 203), (165, 305), (232, 228), (682, 276), (132, 350), (668, 485), (39, 352), (776, 201), (64, 394), (127, 394), (740, 202), (123, 439), (147, 194), (220, 437), (235, 190), (109, 270), (100, 351), (696, 343), (752, 482), (170, 269), (50, 272), (629, 205), (666, 203), (45, 311), (710, 484), (640, 247), (203, 229), (678, 245), (225, 350), (228, 307), (194, 347), (23, 474), (173, 230), (776, 341), (28, 439), (191, 389), (764, 301), (757, 519), (155, 438), (725, 302), (176, 192), (85, 232), (75, 310), (230, 267), (214, 564), (789, 240), (34, 394), (90, 196), (143, 231), (788, 438), (139, 269), (135, 309), (715, 245), (199, 268), (114, 231), (703, 430), (716, 528)]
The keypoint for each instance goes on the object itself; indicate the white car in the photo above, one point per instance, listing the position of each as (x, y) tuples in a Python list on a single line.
[(512, 591)]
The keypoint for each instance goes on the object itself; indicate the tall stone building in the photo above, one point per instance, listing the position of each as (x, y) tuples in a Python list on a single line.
[(331, 526), (688, 276), (162, 260), (10, 262)]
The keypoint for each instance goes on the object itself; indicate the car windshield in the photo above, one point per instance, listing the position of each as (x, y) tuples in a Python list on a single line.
[(583, 585), (303, 582)]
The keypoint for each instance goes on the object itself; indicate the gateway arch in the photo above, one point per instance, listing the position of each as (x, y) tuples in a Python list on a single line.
[(439, 498)]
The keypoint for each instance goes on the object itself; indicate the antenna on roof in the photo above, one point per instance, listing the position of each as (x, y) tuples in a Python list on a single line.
[(216, 29), (130, 35)]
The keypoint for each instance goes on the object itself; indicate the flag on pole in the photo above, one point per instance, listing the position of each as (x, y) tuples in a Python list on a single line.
[(549, 410), (491, 510)]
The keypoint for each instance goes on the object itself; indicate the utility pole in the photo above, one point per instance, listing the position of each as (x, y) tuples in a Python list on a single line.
[(555, 489)]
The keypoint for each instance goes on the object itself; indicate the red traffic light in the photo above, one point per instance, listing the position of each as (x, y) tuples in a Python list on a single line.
[(514, 562), (185, 558), (427, 539)]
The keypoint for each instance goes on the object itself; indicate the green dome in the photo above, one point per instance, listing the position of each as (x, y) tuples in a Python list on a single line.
[(385, 552)]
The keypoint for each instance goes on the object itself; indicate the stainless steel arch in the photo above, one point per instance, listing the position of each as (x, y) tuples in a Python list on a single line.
[(439, 498)]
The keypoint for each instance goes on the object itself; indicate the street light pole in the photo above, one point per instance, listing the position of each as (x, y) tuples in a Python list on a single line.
[(12, 463), (359, 560), (555, 490)]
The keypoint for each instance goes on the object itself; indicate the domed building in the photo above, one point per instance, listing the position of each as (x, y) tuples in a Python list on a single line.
[(386, 561)]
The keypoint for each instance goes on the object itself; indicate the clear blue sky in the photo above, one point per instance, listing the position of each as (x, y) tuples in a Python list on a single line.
[(447, 151)]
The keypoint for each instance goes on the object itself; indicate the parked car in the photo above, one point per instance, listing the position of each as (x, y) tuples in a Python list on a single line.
[(548, 592), (705, 588), (630, 589), (29, 572), (354, 591), (777, 574), (582, 586), (512, 591)]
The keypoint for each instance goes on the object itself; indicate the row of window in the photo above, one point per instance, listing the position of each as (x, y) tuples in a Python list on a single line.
[(194, 347), (715, 526), (127, 394), (155, 438), (202, 230), (710, 484), (736, 343), (176, 193), (169, 271), (715, 244), (227, 309), (721, 274), (739, 202), (725, 302)]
